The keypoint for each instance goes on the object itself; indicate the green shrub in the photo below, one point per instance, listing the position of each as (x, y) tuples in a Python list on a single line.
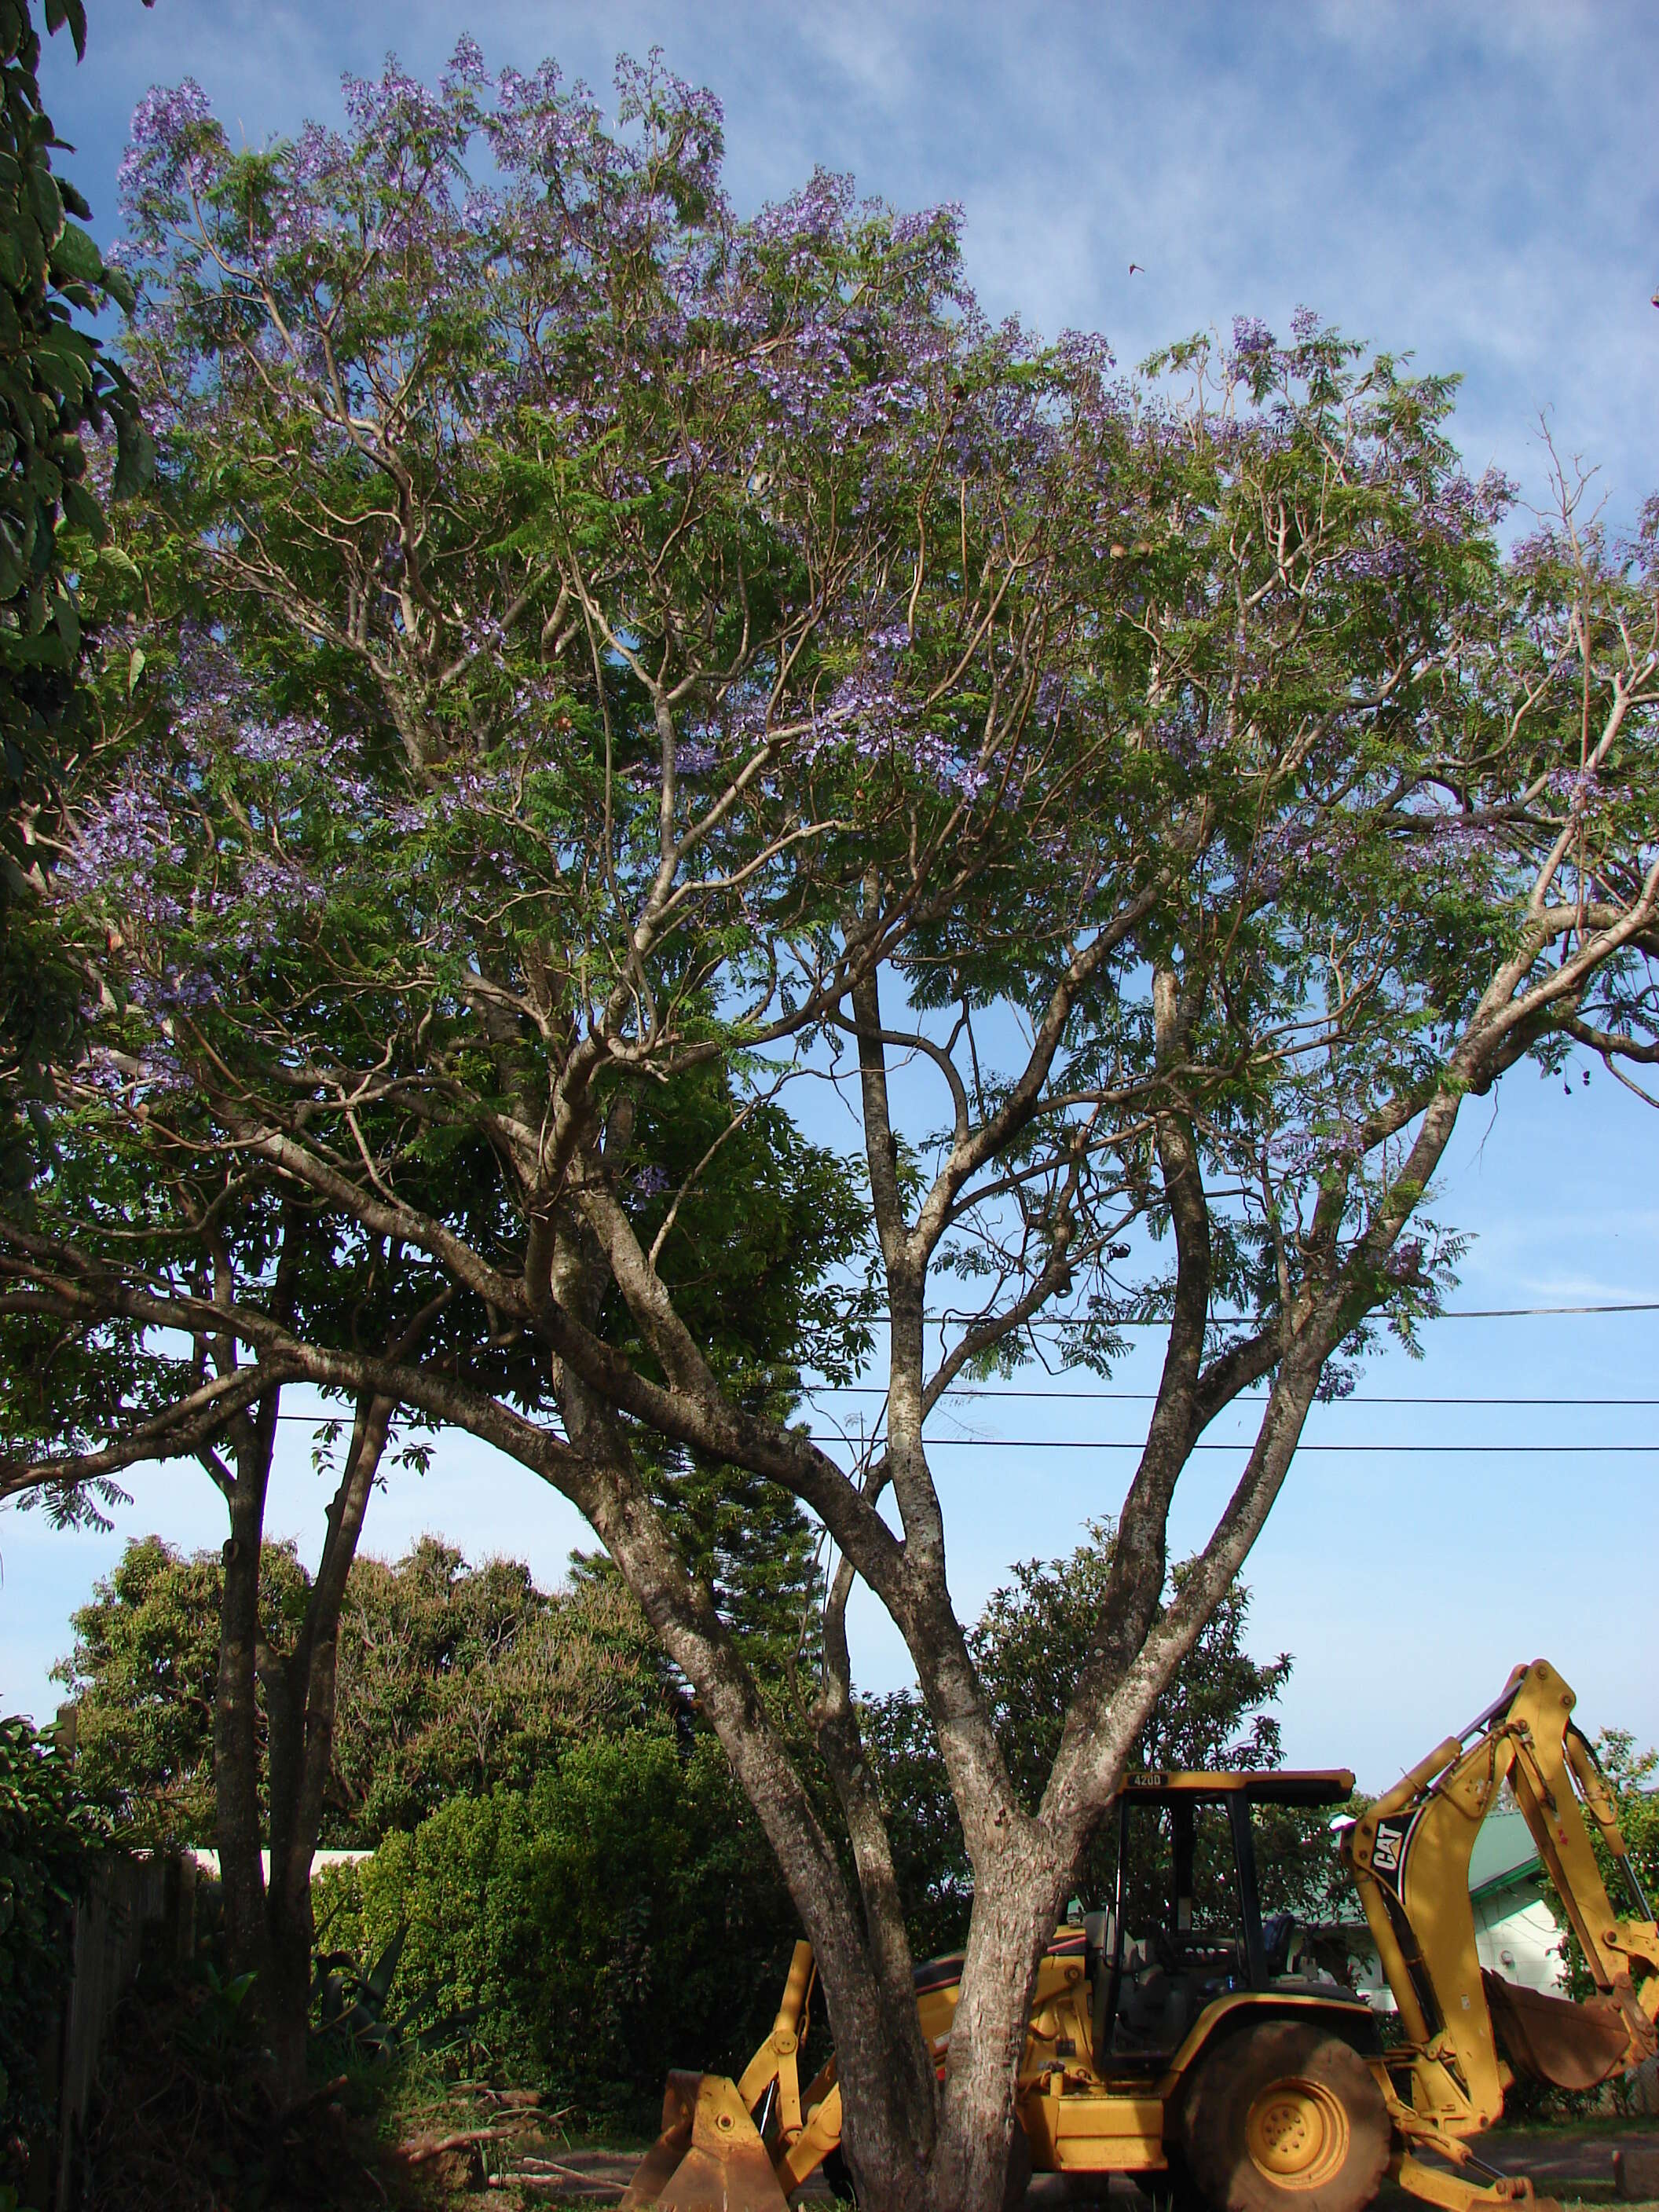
[(622, 1915)]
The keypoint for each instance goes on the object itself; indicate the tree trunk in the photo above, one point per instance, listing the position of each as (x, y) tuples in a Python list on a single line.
[(1015, 1906), (959, 2150), (284, 1992), (235, 1712), (269, 1928), (300, 1693)]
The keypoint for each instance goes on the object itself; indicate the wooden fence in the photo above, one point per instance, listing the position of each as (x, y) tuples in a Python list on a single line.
[(136, 1906)]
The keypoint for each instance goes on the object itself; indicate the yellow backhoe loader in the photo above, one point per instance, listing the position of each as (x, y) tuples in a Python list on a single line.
[(1204, 2053)]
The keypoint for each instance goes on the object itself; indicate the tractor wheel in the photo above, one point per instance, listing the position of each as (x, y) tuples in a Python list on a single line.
[(1285, 2117)]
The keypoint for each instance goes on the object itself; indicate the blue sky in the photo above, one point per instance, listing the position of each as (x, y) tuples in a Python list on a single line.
[(1473, 185)]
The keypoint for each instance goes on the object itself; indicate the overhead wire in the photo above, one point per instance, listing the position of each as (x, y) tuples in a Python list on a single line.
[(981, 1391), (1244, 1321), (1244, 1397), (1139, 1443)]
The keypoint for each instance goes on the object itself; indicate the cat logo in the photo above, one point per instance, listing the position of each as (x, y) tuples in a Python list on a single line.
[(1385, 1853)]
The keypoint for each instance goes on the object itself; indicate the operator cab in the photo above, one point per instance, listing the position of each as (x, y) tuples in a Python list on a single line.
[(1185, 1925)]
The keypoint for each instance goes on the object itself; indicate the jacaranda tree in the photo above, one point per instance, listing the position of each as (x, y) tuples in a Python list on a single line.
[(608, 656)]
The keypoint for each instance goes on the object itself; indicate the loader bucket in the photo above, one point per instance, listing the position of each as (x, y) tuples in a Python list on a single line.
[(709, 2156)]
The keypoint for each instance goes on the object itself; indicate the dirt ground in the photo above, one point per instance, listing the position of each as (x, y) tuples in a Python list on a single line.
[(1573, 2165), (527, 2165)]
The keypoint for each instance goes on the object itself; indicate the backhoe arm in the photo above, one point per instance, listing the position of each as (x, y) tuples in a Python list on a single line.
[(1467, 2033)]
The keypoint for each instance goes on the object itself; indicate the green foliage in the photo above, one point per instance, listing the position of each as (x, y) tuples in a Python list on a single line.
[(1629, 1775), (763, 1226), (355, 2021), (143, 1674), (623, 1913), (455, 1679), (48, 1830), (56, 380), (181, 2121), (1030, 1645), (217, 2032), (450, 1678)]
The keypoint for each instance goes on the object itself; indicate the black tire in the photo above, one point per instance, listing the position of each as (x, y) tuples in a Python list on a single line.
[(1285, 2117)]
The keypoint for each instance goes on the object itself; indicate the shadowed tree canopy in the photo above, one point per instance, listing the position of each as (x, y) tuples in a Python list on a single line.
[(601, 646), (57, 381)]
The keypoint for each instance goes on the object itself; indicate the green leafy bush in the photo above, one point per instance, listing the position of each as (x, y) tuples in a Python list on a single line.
[(48, 1832), (621, 1916)]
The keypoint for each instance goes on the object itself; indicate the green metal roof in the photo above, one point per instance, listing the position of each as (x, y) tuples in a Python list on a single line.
[(1505, 1855)]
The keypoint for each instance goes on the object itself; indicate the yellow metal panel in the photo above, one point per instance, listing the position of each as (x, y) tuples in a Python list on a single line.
[(816, 2140), (1077, 2128), (708, 2157)]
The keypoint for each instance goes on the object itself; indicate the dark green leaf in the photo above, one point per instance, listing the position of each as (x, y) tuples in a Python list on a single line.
[(72, 12), (75, 254), (81, 508), (135, 458)]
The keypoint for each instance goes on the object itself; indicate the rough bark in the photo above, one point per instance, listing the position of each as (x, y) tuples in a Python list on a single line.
[(300, 1695), (235, 1713)]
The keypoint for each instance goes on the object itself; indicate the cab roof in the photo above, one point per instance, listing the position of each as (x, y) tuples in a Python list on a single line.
[(1284, 1785)]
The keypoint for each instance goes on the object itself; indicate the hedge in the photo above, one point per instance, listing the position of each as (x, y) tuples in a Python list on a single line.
[(622, 1915)]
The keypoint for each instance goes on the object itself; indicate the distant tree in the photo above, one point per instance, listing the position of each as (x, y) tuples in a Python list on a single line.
[(1633, 1778), (143, 1675), (56, 380), (455, 1679), (1031, 1643), (450, 1679)]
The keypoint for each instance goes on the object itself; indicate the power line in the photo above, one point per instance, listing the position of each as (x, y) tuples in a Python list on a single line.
[(1240, 1319), (1244, 1397), (1135, 1444), (1130, 1398), (1520, 1313), (1139, 1443)]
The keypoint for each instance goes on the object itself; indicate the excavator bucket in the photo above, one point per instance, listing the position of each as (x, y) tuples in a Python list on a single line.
[(709, 2156), (1552, 2040)]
